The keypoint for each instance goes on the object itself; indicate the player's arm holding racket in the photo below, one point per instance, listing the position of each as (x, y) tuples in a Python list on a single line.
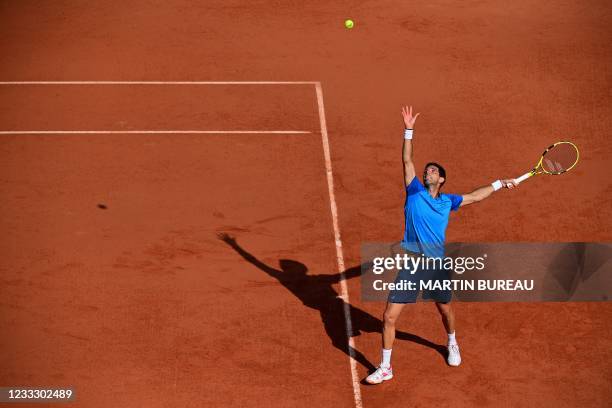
[(409, 120), (485, 191)]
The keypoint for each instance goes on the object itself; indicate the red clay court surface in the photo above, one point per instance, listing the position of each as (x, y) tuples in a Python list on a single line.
[(140, 304)]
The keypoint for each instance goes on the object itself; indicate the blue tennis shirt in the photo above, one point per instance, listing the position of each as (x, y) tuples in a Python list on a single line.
[(427, 219)]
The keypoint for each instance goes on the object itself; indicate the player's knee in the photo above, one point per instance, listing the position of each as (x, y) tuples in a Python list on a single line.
[(389, 318)]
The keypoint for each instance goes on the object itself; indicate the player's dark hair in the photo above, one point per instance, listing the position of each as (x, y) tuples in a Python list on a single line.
[(441, 170)]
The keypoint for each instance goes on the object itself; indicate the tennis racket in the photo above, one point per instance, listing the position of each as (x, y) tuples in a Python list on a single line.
[(556, 159)]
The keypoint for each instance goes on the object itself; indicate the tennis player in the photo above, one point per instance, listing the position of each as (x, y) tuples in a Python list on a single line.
[(426, 212)]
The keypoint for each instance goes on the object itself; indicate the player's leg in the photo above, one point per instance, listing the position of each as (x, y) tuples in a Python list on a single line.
[(448, 318), (397, 299), (392, 313), (384, 371)]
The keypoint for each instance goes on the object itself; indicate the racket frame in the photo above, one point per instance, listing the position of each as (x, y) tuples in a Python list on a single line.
[(535, 170)]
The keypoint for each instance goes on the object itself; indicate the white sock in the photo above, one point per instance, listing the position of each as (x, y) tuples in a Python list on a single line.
[(451, 339), (386, 358)]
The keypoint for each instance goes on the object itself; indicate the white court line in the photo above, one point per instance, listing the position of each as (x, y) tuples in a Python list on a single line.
[(158, 83), (153, 132), (339, 255)]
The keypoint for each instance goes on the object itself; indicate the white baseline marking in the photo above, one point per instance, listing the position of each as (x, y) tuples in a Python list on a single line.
[(339, 255), (154, 132), (158, 82)]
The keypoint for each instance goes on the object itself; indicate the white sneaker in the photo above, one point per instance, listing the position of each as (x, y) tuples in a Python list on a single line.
[(381, 374), (454, 357)]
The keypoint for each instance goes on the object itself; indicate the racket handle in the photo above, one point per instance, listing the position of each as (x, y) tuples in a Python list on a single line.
[(523, 177)]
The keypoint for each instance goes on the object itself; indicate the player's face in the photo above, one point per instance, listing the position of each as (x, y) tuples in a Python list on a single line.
[(431, 176)]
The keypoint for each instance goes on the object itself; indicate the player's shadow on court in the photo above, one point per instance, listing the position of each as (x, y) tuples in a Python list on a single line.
[(317, 292)]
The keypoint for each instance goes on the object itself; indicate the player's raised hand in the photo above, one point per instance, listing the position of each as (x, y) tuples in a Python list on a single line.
[(408, 118)]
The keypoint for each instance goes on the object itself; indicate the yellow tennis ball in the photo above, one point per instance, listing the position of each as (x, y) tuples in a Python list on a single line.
[(349, 24)]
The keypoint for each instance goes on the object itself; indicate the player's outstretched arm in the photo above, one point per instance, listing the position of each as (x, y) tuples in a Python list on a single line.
[(485, 191), (409, 120)]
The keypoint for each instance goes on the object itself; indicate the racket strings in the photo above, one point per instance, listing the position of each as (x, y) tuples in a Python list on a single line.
[(560, 158)]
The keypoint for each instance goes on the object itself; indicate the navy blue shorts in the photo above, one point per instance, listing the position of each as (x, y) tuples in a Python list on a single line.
[(418, 278)]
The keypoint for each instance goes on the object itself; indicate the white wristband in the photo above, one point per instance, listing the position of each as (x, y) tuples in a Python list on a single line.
[(408, 134), (497, 184)]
